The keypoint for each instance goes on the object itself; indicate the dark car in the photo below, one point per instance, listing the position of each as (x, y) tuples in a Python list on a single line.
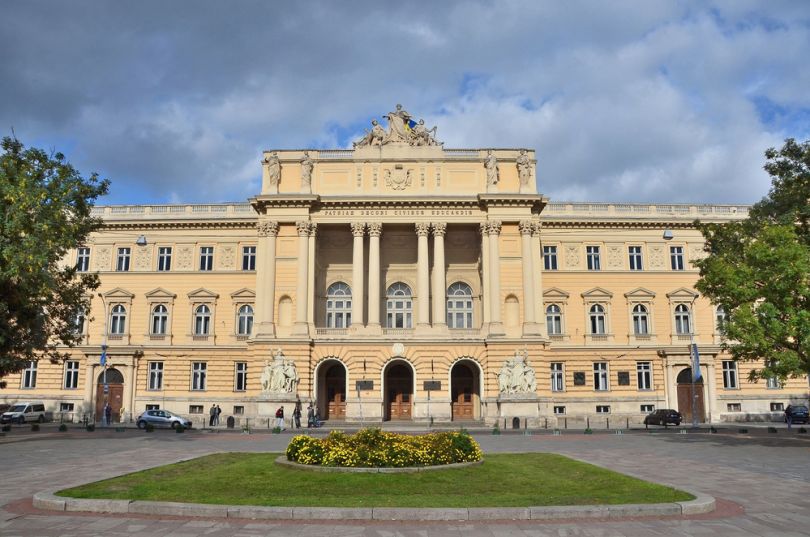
[(162, 418), (796, 414), (663, 416)]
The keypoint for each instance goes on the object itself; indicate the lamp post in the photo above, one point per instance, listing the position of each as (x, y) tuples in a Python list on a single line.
[(104, 360)]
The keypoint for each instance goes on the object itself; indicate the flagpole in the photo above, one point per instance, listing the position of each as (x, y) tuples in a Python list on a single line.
[(104, 356), (695, 359)]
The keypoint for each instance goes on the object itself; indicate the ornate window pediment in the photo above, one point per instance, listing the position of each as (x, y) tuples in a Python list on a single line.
[(597, 293), (555, 294), (160, 294), (640, 294), (243, 294), (118, 294), (682, 294), (203, 294)]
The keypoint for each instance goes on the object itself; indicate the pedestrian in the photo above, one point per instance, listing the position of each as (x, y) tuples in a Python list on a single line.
[(216, 416), (310, 416), (280, 418), (317, 419), (297, 416), (213, 414), (107, 414)]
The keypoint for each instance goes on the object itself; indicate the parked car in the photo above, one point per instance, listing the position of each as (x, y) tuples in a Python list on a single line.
[(4, 408), (22, 412), (796, 413), (663, 416), (162, 418)]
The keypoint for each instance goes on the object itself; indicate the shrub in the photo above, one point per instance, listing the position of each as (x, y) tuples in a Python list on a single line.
[(588, 431), (802, 430), (180, 429), (91, 427), (276, 430), (772, 430), (373, 448), (35, 427), (62, 428)]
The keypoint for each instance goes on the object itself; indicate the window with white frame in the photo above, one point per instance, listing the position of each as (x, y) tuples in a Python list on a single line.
[(238, 410), (399, 306), (122, 262), (240, 377), (160, 320), (206, 258), (682, 320), (734, 407), (202, 320), (152, 407), (164, 258), (71, 375), (777, 407), (773, 383), (155, 375), (596, 316), (720, 319), (603, 409), (635, 257), (676, 257), (600, 376), (29, 376), (66, 407), (641, 320), (592, 256), (244, 323), (550, 257), (195, 409), (248, 258), (459, 306), (559, 410), (83, 259), (118, 320), (199, 373), (554, 320), (644, 375), (729, 374), (557, 377), (647, 408), (338, 306)]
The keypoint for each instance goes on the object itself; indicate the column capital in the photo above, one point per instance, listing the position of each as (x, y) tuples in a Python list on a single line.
[(422, 229), (483, 228), (313, 229), (494, 227), (375, 229), (303, 227), (268, 229), (358, 229), (526, 227), (439, 229), (537, 227)]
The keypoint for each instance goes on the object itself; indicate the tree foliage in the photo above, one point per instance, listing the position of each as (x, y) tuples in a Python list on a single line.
[(758, 270), (44, 212)]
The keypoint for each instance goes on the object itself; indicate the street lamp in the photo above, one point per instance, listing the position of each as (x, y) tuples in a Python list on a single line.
[(103, 359)]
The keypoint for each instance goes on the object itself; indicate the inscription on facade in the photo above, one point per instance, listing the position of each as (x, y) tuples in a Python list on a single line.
[(397, 212)]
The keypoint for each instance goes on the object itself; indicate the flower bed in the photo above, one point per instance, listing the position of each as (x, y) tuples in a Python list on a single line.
[(373, 448)]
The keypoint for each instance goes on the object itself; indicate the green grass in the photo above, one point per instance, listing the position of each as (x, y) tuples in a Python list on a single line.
[(531, 479)]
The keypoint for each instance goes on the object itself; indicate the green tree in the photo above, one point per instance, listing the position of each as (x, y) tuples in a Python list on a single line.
[(44, 212), (758, 270)]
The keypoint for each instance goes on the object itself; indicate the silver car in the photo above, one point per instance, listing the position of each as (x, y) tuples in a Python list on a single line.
[(162, 418)]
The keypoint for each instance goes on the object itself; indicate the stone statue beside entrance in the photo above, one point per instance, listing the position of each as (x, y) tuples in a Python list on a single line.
[(280, 376), (517, 376)]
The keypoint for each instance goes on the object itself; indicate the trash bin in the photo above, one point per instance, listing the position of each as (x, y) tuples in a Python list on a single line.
[(231, 422)]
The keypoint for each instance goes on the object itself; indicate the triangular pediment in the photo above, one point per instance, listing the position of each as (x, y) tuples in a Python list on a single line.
[(202, 293), (597, 293), (244, 293), (640, 293), (682, 293), (554, 293), (160, 293), (118, 293)]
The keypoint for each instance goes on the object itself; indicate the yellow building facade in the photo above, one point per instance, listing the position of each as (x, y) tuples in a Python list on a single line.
[(400, 280)]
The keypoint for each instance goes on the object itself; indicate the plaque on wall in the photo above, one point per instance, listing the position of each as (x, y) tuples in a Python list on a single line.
[(433, 385), (364, 385), (579, 378), (624, 378)]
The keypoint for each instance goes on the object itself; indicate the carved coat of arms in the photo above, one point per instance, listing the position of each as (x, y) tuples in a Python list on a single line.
[(398, 178)]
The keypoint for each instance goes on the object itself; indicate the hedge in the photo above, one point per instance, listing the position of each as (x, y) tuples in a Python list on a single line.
[(373, 448)]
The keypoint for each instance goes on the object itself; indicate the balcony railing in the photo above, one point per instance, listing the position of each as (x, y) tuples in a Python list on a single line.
[(331, 331), (403, 332)]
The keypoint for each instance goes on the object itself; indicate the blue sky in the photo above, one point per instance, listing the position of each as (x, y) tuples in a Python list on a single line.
[(629, 101)]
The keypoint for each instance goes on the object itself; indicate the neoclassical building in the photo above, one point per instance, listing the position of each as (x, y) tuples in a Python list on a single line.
[(400, 280)]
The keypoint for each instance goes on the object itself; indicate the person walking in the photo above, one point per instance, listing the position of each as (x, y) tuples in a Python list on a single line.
[(280, 418), (310, 416), (216, 415), (297, 416), (213, 415), (107, 414)]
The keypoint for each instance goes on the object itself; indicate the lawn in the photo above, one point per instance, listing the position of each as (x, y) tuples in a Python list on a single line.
[(514, 480)]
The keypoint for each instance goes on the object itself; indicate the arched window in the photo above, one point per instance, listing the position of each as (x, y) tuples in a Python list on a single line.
[(202, 320), (459, 306), (160, 320), (118, 320), (554, 320), (399, 306), (244, 325), (682, 319), (597, 318), (641, 325), (721, 318), (338, 306)]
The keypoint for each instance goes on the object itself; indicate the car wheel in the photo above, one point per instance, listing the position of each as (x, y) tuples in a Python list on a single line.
[(176, 425), (20, 420), (141, 424)]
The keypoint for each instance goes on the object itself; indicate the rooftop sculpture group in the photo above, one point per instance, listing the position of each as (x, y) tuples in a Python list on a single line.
[(402, 129)]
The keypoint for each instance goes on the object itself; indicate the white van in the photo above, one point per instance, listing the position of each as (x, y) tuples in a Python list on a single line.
[(22, 412)]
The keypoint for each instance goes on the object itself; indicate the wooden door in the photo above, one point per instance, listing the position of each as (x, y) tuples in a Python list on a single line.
[(684, 402), (463, 398), (399, 399), (115, 398), (336, 398)]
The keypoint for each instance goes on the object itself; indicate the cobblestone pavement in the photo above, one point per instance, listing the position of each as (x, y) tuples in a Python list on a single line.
[(766, 476)]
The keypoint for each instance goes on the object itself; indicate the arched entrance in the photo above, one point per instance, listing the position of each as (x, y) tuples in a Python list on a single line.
[(398, 382), (684, 381), (332, 390), (114, 395), (464, 390)]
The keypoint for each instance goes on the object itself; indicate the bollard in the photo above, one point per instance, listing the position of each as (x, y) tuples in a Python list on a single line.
[(607, 423)]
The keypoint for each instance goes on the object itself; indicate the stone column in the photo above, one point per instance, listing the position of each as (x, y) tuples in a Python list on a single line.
[(90, 371), (439, 277), (485, 296), (495, 324), (529, 319), (129, 382), (358, 231), (537, 258), (423, 275), (374, 232), (266, 279), (313, 235), (301, 327)]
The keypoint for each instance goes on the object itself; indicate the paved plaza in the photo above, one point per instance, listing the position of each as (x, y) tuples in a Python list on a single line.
[(761, 481)]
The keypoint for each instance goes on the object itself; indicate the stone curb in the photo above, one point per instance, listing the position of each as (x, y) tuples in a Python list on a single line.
[(282, 460), (703, 503)]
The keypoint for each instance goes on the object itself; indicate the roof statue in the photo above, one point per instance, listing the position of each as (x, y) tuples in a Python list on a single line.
[(402, 130)]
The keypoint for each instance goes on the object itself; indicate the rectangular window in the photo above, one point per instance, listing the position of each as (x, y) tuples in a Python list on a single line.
[(559, 410), (30, 375), (198, 374), (122, 263), (165, 258), (635, 258), (729, 375), (647, 408), (777, 407), (238, 410), (66, 407), (71, 375), (676, 257), (248, 258), (195, 409), (240, 383), (206, 258), (557, 377), (644, 375), (550, 257), (603, 409), (600, 376), (623, 378), (83, 259), (773, 383), (593, 257), (734, 407), (152, 407), (155, 375)]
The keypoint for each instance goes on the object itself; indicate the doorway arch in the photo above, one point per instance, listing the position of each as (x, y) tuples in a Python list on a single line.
[(114, 394), (331, 389), (684, 381), (465, 390), (398, 387)]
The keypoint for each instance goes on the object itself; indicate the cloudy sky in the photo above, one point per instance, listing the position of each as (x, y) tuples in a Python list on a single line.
[(646, 101)]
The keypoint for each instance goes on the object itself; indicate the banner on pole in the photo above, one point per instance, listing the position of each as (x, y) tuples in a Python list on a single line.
[(693, 350), (103, 359)]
